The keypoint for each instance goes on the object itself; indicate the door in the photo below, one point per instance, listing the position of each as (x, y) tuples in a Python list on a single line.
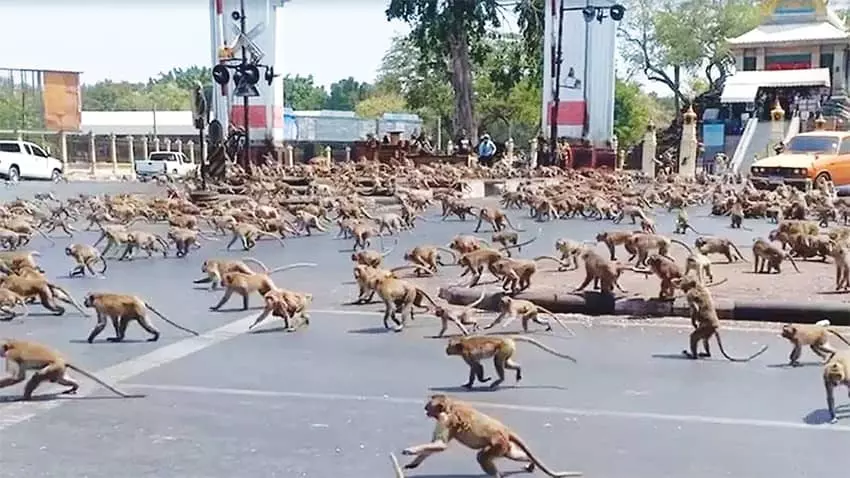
[(26, 163), (840, 168), (40, 163)]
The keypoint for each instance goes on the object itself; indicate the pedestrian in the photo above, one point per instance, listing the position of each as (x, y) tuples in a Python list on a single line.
[(486, 151)]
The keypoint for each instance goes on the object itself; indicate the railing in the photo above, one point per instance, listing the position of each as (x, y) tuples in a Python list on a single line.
[(743, 145), (793, 128)]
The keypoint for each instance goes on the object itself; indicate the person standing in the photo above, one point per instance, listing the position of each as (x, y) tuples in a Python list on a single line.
[(486, 151)]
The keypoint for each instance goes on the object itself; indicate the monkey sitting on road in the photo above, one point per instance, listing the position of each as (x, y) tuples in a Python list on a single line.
[(85, 256), (510, 309), (814, 336), (457, 420), (836, 372), (121, 309), (501, 349), (286, 305), (46, 364)]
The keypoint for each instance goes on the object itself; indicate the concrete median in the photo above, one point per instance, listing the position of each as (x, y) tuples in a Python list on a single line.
[(596, 304)]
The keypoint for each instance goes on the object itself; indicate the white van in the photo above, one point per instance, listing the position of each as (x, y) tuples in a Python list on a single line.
[(22, 159), (169, 163)]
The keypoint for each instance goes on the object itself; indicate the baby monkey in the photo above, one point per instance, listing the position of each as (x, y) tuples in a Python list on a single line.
[(85, 256), (815, 336), (501, 349)]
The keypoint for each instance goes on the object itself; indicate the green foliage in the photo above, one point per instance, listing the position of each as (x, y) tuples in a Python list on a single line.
[(301, 93), (379, 103), (632, 112), (18, 109), (346, 94), (170, 91)]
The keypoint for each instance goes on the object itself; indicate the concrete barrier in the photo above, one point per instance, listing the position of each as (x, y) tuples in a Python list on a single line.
[(595, 304)]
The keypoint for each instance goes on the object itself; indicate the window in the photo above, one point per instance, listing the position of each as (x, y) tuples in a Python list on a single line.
[(749, 63), (813, 144), (36, 151), (161, 157), (10, 148), (845, 147)]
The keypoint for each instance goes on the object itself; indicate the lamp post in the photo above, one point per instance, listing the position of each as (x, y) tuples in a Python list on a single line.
[(590, 12)]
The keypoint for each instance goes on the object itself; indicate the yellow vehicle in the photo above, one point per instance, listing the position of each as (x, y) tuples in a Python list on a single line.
[(807, 158)]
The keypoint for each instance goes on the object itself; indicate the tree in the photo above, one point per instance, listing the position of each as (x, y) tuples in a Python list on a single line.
[(631, 112), (531, 17), (300, 93), (666, 40), (18, 110), (346, 94), (379, 103)]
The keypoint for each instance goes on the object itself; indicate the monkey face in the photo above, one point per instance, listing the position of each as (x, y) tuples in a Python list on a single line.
[(699, 242), (436, 405), (602, 237), (88, 300), (204, 267), (355, 257), (788, 331), (454, 347)]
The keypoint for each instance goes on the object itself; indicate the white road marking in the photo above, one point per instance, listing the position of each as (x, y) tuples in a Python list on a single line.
[(19, 412), (578, 412)]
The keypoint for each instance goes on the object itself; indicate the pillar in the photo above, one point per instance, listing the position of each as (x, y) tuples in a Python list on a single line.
[(92, 153), (290, 156), (204, 151), (113, 153), (131, 152), (650, 144), (348, 153), (328, 152), (450, 148), (509, 149), (191, 146), (168, 144), (533, 153), (777, 125), (156, 144), (178, 145), (63, 148), (688, 146), (145, 148), (759, 59)]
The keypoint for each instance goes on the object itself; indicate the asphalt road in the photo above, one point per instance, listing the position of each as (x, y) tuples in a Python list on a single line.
[(341, 395)]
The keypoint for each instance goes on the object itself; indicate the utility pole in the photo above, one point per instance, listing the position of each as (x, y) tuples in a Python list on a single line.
[(246, 157)]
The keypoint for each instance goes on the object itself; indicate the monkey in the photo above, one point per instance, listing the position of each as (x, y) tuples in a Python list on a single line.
[(362, 234), (516, 274), (510, 309), (45, 291), (248, 234), (428, 257), (459, 420), (47, 364), (116, 236), (698, 263), (840, 258), (773, 214), (461, 317), (510, 240), (396, 466), (9, 300), (145, 241), (570, 251), (345, 226), (399, 296), (705, 320), (634, 212), (183, 239), (64, 224), (286, 305), (836, 372), (718, 245), (12, 240), (682, 224), (461, 210), (475, 261), (392, 222), (736, 214), (245, 284), (464, 244), (769, 257), (372, 258), (602, 272), (616, 238), (121, 309), (814, 336), (497, 219), (14, 260), (667, 270), (642, 243), (85, 256), (501, 349), (214, 268), (307, 222)]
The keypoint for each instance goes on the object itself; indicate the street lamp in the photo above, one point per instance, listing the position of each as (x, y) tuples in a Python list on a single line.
[(590, 12)]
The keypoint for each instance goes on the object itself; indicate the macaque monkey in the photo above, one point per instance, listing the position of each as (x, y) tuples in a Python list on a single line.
[(718, 245), (705, 321), (602, 272), (372, 258), (510, 240), (474, 262), (814, 336), (247, 284), (399, 296), (367, 279), (85, 256), (570, 251), (497, 219), (248, 234), (474, 349), (516, 274), (736, 214), (9, 300), (46, 364), (391, 222), (287, 305), (836, 372), (362, 234), (12, 240), (510, 309), (461, 317), (39, 287), (840, 258), (57, 223), (461, 210), (682, 224), (121, 309), (14, 260), (428, 257), (184, 238), (633, 212), (145, 241), (306, 222), (643, 243), (768, 256), (457, 420), (116, 236), (345, 227), (667, 270), (465, 244), (699, 264), (616, 238), (214, 268)]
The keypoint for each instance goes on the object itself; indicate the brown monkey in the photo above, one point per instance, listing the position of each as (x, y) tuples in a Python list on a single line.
[(643, 243), (399, 296), (667, 270), (836, 372), (287, 305), (718, 245), (602, 272), (705, 320), (570, 251), (461, 317), (769, 257), (736, 215), (214, 268), (116, 236), (367, 279), (510, 309), (699, 264), (814, 336), (307, 221), (464, 243), (372, 258), (475, 261), (501, 349), (145, 241), (9, 300), (248, 234), (183, 239), (39, 287), (47, 364), (362, 234), (459, 420), (85, 256), (682, 224), (121, 309), (428, 257), (616, 238), (497, 219), (246, 284), (14, 260), (840, 258), (510, 240)]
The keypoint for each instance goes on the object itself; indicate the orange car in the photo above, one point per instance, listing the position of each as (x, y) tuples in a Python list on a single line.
[(807, 156)]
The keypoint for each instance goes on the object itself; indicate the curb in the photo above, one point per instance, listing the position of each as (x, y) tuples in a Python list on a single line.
[(596, 304)]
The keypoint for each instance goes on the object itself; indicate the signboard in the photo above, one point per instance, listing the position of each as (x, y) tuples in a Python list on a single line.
[(62, 103)]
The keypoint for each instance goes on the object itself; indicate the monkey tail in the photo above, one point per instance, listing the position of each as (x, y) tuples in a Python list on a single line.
[(105, 385), (102, 261), (396, 466), (557, 319), (835, 333), (551, 258), (721, 281), (291, 266), (392, 247), (522, 244), (446, 249), (737, 251), (508, 220), (692, 228), (425, 294), (542, 346), (686, 246), (514, 438), (411, 266), (478, 300), (733, 359), (53, 288), (175, 324), (793, 263), (52, 242), (257, 262)]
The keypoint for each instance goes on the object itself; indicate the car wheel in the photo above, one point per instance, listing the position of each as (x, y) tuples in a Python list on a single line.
[(56, 176), (825, 176), (14, 174)]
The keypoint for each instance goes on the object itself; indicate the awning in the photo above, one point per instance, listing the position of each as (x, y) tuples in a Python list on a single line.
[(742, 86)]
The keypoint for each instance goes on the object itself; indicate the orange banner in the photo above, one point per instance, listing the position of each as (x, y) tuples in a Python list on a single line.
[(62, 105)]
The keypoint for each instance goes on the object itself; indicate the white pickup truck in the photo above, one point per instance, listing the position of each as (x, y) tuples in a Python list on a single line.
[(22, 159), (169, 163)]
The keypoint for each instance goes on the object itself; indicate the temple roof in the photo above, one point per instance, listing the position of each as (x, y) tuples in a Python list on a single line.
[(824, 31)]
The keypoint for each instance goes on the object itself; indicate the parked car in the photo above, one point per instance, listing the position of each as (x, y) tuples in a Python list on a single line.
[(25, 160), (807, 157), (169, 163)]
